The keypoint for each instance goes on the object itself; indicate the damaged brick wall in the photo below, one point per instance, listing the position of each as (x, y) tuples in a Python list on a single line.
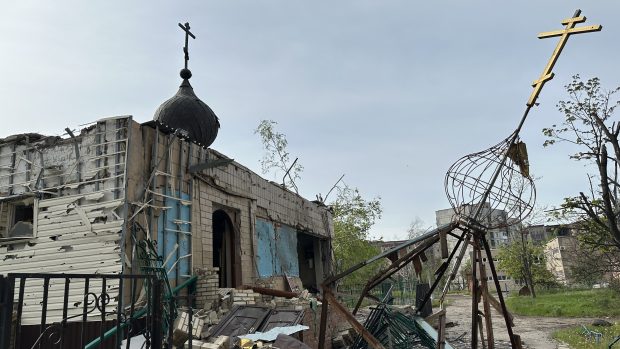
[(225, 198)]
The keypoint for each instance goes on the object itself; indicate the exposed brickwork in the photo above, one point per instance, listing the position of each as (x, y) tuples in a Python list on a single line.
[(207, 288), (241, 193)]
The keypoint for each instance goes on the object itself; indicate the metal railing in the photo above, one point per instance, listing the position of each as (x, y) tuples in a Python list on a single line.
[(79, 310)]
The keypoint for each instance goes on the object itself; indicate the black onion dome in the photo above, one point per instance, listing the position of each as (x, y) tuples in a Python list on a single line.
[(187, 112)]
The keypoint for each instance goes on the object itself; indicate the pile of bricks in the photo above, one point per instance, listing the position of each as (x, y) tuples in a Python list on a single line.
[(291, 303), (212, 303), (245, 297), (180, 331), (207, 296)]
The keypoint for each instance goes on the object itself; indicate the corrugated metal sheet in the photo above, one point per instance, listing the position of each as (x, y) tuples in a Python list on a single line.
[(277, 249)]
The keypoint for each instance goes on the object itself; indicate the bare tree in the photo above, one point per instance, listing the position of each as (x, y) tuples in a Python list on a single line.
[(589, 124), (277, 157), (416, 228)]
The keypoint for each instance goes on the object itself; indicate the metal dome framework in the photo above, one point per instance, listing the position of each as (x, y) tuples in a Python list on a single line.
[(477, 185), (498, 180)]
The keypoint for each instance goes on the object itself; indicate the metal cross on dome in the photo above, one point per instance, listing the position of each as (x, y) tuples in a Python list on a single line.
[(187, 35), (563, 34)]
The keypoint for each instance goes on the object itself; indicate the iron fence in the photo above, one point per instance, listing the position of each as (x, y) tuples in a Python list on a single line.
[(81, 311), (403, 292)]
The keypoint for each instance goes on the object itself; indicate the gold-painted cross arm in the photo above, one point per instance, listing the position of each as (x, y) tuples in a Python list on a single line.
[(578, 19), (591, 28), (570, 29)]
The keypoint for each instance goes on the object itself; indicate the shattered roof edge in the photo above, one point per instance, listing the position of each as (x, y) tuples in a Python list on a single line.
[(37, 137)]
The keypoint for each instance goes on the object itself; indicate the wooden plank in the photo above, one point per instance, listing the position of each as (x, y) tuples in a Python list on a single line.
[(486, 307), (495, 303), (435, 316), (441, 332), (417, 265), (369, 338), (443, 244)]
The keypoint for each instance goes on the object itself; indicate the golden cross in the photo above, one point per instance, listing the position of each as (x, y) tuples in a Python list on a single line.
[(563, 34)]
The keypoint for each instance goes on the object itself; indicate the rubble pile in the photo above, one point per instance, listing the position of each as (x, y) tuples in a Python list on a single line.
[(246, 317), (245, 297)]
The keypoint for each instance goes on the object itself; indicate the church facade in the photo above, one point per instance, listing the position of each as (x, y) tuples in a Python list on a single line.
[(85, 203)]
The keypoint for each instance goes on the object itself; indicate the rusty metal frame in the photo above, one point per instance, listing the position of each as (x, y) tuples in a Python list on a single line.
[(328, 284), (397, 265), (493, 175)]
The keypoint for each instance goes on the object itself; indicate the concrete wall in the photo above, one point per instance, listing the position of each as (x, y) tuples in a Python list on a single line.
[(561, 253)]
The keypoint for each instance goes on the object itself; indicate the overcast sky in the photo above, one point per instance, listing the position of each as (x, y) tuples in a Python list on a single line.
[(390, 93)]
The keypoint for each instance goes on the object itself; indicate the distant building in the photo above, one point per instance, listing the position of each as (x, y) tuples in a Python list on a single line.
[(507, 283), (496, 237), (540, 234), (561, 257)]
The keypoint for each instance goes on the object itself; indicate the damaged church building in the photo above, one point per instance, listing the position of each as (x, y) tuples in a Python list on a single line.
[(129, 198)]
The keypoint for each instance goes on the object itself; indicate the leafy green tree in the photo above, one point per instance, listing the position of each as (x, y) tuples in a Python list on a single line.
[(589, 124), (276, 158), (353, 217), (510, 260)]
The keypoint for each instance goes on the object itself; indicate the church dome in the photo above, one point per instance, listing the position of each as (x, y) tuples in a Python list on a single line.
[(185, 111)]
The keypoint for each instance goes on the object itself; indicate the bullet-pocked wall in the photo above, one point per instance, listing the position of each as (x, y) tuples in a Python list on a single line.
[(62, 210)]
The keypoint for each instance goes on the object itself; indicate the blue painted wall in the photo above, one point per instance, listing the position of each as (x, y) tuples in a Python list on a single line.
[(168, 235), (277, 249)]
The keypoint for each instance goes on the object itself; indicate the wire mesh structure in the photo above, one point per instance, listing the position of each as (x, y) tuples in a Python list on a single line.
[(488, 189), (497, 179)]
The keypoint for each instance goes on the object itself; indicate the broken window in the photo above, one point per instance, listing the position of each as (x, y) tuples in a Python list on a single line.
[(17, 218)]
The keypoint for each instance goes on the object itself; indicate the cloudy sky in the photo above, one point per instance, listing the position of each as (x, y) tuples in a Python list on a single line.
[(390, 93)]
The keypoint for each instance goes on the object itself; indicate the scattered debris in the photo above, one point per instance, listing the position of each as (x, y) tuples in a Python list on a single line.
[(273, 333), (601, 323), (288, 342), (239, 318)]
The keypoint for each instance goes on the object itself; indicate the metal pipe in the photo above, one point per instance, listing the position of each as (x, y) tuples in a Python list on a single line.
[(446, 227), (427, 297)]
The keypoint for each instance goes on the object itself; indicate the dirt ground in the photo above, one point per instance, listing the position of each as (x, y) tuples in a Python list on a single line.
[(535, 332)]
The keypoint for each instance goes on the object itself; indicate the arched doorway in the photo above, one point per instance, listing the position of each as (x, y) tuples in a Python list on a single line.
[(224, 248)]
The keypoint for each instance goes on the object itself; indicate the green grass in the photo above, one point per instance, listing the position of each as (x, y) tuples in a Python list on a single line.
[(568, 303), (459, 292), (575, 338)]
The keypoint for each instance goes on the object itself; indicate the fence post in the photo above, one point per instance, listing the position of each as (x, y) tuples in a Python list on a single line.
[(156, 329), (7, 287)]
